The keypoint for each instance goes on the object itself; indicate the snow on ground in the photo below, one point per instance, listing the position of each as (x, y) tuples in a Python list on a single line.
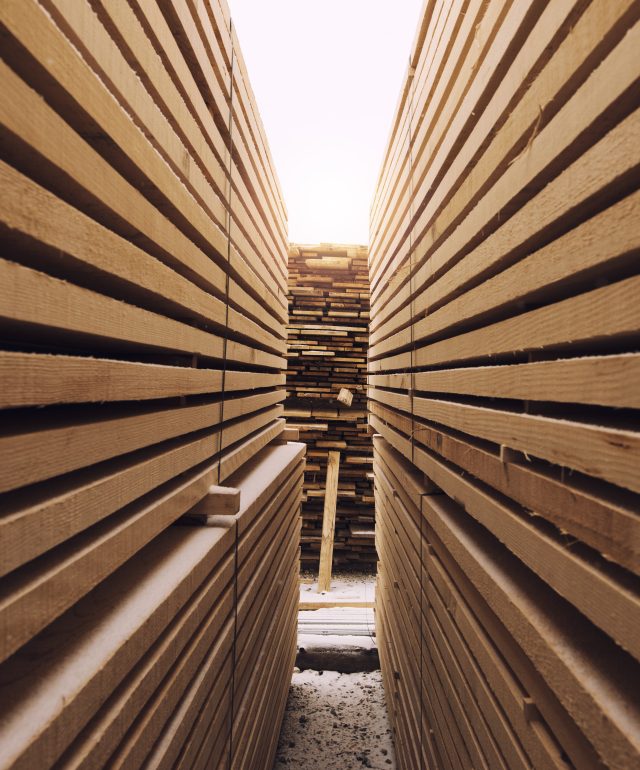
[(335, 722), (346, 586)]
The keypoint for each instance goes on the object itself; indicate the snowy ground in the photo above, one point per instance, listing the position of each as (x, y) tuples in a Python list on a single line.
[(348, 586), (335, 721)]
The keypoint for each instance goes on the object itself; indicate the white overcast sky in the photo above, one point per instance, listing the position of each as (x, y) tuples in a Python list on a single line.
[(327, 76)]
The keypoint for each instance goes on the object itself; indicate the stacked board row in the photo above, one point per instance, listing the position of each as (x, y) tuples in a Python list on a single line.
[(182, 657), (503, 386), (143, 317), (327, 354)]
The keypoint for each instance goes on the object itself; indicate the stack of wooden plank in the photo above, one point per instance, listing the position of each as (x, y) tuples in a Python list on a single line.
[(152, 667), (143, 321), (503, 387), (326, 393)]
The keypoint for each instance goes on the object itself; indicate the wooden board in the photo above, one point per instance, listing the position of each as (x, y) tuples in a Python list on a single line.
[(329, 522), (172, 600)]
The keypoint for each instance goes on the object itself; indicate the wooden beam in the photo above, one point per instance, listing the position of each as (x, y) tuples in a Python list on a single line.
[(306, 606), (329, 522)]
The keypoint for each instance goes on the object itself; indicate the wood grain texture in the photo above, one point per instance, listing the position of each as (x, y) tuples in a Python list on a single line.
[(502, 387), (329, 305), (329, 522), (143, 324)]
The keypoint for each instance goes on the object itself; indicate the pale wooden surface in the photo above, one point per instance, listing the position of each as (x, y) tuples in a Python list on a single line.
[(504, 331), (143, 310), (185, 576), (329, 522)]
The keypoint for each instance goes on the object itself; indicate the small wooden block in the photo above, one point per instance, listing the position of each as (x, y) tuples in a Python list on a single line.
[(203, 520), (219, 501), (345, 396), (509, 455)]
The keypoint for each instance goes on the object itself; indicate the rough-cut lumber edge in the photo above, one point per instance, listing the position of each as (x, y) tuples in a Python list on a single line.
[(329, 522)]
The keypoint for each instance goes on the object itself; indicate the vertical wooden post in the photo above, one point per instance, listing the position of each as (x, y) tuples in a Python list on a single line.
[(329, 522)]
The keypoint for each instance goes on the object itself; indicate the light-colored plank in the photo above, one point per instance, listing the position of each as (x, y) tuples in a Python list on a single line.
[(35, 523), (600, 380), (34, 596), (329, 521), (612, 454), (156, 589)]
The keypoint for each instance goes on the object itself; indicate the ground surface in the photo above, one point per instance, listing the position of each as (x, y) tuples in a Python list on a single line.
[(346, 586), (335, 721)]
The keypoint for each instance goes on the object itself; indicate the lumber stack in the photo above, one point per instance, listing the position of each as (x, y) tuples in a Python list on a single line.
[(503, 389), (143, 316), (326, 393)]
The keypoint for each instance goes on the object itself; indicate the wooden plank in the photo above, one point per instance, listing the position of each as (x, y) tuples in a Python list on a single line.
[(304, 606), (209, 710), (266, 430), (603, 314), (35, 522), (78, 311), (60, 446), (329, 522), (26, 603), (600, 380), (603, 599), (608, 453), (36, 379), (592, 254), (204, 654), (578, 506), (156, 587)]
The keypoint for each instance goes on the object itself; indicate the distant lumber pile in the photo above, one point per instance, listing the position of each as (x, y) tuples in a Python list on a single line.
[(503, 387), (326, 393), (143, 315)]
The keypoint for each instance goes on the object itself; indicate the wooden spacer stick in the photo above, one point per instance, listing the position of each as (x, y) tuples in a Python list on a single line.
[(329, 522)]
